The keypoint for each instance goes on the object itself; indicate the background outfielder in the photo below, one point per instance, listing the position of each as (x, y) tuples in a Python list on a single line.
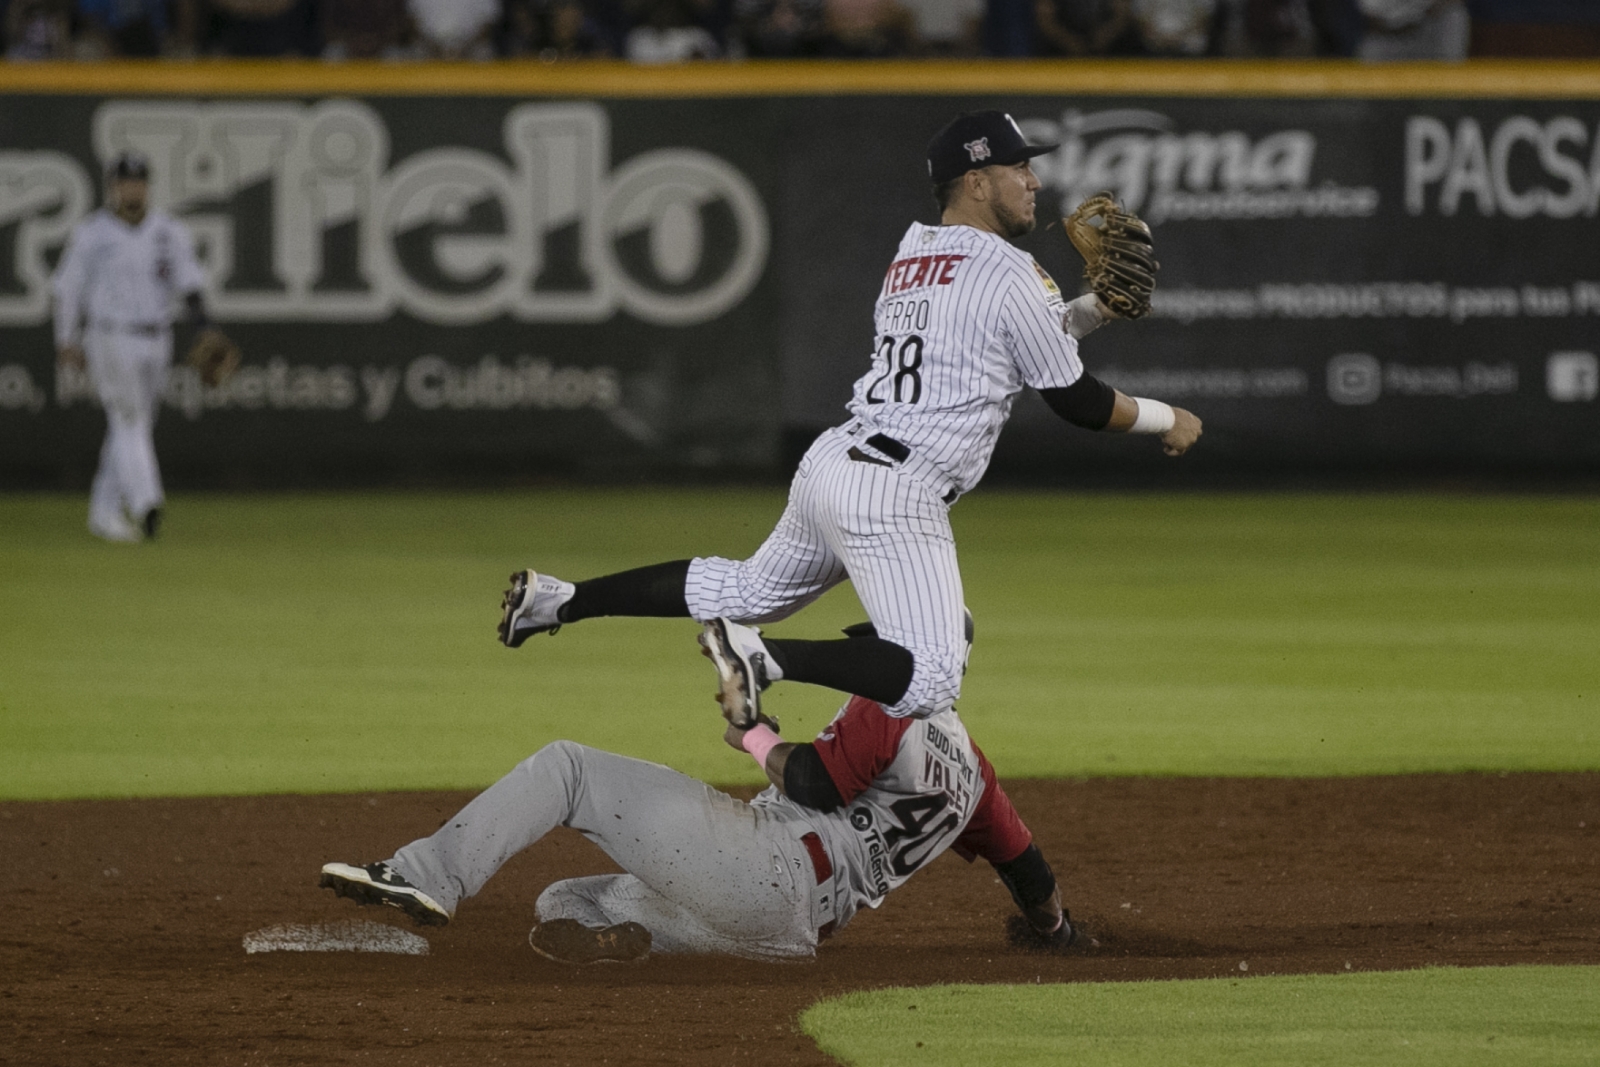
[(965, 320), (848, 818), (115, 289)]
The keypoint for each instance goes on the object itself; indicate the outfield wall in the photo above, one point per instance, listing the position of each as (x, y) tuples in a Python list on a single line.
[(586, 270)]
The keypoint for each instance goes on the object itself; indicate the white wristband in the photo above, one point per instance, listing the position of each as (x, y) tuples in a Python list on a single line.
[(1154, 417), (1084, 316)]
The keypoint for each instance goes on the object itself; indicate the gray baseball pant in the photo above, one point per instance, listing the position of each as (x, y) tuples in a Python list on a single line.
[(706, 872)]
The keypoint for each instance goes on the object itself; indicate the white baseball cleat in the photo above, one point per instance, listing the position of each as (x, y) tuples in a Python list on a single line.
[(530, 605), (115, 529), (744, 668)]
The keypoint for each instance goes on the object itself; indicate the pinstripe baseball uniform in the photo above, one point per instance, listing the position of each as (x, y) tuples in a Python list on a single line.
[(708, 873), (964, 322), (114, 290)]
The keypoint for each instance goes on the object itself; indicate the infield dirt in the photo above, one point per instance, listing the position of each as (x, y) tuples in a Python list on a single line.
[(122, 942)]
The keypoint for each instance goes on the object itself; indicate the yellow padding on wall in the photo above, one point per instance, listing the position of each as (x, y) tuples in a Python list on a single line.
[(610, 78)]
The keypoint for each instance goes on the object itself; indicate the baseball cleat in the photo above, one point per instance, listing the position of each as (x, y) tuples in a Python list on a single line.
[(530, 605), (116, 529), (569, 941), (377, 883), (743, 668)]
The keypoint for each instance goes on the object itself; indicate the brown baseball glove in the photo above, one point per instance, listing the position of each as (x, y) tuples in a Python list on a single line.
[(214, 355), (1119, 258)]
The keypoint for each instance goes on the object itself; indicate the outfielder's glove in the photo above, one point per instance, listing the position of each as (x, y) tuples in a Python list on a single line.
[(214, 355), (1119, 258)]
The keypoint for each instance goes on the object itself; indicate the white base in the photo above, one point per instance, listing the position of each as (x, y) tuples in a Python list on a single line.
[(346, 936)]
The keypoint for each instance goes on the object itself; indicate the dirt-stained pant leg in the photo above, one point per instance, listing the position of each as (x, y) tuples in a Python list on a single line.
[(608, 899), (709, 873)]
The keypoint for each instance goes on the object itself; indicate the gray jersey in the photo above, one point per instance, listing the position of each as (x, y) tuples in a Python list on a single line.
[(912, 789)]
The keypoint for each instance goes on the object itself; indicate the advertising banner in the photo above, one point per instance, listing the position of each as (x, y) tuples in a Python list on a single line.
[(432, 287)]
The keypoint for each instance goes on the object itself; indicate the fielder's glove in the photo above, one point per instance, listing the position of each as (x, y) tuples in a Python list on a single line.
[(1119, 258), (214, 355)]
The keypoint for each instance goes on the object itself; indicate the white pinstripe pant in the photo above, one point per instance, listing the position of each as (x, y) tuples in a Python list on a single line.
[(884, 528)]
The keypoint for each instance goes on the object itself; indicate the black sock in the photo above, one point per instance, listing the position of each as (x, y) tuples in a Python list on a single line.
[(655, 591), (866, 666)]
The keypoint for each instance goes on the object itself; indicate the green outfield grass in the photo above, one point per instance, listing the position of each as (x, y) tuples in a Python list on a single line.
[(346, 642), (1512, 1016)]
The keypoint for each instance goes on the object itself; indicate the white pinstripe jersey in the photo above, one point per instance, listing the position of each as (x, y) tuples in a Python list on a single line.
[(964, 321), (123, 275)]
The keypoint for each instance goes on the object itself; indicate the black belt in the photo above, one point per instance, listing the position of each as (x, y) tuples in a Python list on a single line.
[(895, 450), (823, 868)]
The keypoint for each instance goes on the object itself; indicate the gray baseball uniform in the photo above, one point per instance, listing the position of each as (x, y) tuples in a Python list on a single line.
[(711, 874), (965, 320), (114, 291)]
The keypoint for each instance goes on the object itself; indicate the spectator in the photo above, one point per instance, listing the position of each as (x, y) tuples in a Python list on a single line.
[(1267, 28), (456, 29), (123, 27), (1086, 27), (553, 29), (1339, 25), (668, 33), (261, 28), (1415, 29), (1175, 27), (1008, 28), (365, 29), (1565, 29), (38, 29), (779, 28), (945, 27), (865, 29)]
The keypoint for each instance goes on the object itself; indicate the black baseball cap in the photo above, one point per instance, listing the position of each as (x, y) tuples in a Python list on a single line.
[(129, 165), (975, 139)]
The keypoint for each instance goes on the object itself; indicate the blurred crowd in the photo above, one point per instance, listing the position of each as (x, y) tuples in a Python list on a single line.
[(673, 31)]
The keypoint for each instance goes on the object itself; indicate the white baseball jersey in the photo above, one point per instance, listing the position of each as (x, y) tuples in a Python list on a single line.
[(119, 276), (964, 321)]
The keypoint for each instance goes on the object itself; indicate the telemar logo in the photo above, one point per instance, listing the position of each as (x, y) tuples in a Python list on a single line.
[(977, 150), (1169, 174), (300, 214)]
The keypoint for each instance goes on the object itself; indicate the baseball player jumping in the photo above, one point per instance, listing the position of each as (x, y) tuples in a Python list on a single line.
[(114, 291), (848, 817), (965, 320)]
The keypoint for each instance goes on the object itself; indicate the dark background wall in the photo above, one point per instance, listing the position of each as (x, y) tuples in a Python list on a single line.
[(474, 288)]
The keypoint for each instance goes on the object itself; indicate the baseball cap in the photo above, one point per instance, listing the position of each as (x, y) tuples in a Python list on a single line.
[(976, 139), (129, 165)]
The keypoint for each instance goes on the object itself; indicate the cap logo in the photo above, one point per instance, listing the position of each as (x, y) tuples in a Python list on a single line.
[(978, 149)]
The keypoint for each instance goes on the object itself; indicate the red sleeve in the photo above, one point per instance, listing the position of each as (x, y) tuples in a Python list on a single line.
[(858, 745), (996, 831)]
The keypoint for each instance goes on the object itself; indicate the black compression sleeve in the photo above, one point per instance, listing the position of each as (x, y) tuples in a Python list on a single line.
[(866, 666), (1087, 402), (806, 780), (655, 591), (1029, 878)]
